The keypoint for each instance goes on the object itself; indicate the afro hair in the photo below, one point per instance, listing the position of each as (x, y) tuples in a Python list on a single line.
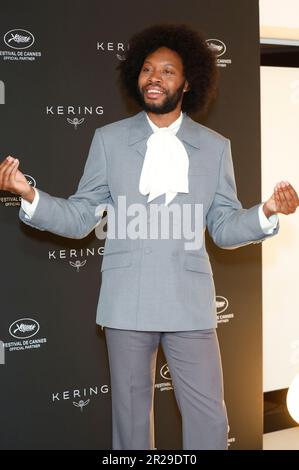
[(199, 62)]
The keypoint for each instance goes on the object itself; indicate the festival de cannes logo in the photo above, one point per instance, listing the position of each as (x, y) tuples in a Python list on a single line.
[(217, 46), (219, 49), (23, 331), (221, 307), (24, 328), (30, 180), (18, 39), (12, 200), (221, 304), (165, 373)]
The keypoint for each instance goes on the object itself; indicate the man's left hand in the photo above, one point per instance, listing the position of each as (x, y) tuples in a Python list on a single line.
[(284, 200)]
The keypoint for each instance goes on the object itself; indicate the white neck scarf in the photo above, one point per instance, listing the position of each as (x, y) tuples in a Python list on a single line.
[(166, 163)]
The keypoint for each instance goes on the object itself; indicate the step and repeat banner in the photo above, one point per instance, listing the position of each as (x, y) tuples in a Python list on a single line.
[(58, 82)]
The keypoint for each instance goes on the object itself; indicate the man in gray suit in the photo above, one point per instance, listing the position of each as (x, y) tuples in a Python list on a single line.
[(156, 288)]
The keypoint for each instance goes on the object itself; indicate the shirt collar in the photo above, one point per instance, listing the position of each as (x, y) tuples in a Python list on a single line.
[(174, 127)]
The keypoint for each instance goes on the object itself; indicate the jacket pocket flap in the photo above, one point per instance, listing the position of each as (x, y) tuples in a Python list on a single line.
[(116, 260), (197, 263)]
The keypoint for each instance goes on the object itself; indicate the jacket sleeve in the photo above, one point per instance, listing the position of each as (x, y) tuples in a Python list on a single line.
[(76, 216), (229, 224)]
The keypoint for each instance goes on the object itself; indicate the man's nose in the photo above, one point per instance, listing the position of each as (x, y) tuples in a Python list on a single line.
[(155, 76)]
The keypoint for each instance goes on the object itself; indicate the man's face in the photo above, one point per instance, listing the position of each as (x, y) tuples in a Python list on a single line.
[(161, 81)]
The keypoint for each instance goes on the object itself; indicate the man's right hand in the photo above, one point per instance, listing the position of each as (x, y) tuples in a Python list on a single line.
[(11, 179)]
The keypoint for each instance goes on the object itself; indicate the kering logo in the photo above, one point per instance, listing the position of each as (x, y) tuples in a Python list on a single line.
[(62, 110), (74, 111), (24, 328), (19, 39), (73, 254), (117, 47), (2, 92), (80, 394)]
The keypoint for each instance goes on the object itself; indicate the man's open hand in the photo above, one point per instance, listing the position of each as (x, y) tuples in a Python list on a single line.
[(284, 200)]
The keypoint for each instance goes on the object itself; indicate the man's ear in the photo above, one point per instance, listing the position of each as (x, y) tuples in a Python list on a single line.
[(186, 87)]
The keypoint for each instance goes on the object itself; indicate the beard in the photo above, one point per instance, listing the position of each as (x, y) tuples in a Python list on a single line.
[(169, 104)]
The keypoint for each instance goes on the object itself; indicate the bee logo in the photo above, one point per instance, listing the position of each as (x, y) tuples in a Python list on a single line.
[(78, 264), (81, 404), (75, 122)]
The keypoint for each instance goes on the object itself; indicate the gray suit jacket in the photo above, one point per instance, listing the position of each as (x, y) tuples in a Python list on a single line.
[(147, 284)]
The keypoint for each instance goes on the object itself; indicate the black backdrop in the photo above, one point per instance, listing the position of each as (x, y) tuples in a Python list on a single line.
[(55, 391)]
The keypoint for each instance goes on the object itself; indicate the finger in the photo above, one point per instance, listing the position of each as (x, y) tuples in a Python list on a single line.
[(7, 178), (4, 170), (286, 197), (5, 162), (4, 165), (283, 207), (292, 193), (287, 206), (14, 170), (277, 200), (291, 201)]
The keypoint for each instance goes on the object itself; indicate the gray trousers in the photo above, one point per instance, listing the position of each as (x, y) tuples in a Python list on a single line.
[(195, 366)]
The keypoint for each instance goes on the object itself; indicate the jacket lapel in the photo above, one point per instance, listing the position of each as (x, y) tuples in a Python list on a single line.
[(139, 133), (189, 132)]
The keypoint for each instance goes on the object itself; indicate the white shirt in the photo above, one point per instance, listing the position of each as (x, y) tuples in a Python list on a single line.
[(268, 225), (166, 163)]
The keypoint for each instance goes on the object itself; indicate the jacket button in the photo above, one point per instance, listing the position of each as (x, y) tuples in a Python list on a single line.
[(147, 250)]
